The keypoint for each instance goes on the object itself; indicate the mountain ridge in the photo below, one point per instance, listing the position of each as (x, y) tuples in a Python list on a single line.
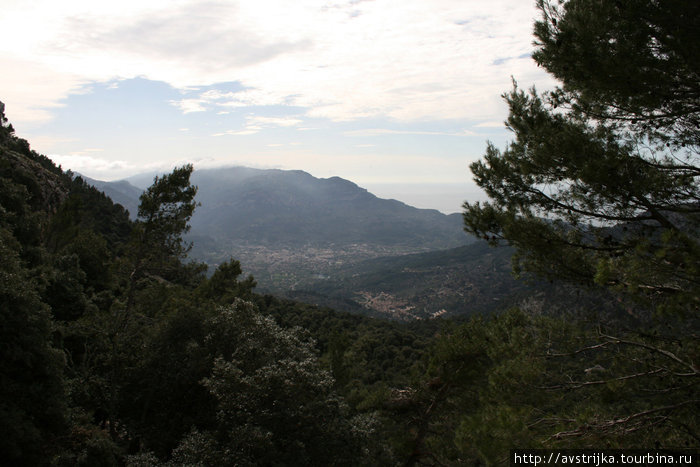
[(255, 200)]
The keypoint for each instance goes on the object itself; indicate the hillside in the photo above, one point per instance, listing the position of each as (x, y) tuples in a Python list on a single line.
[(121, 192), (456, 283), (293, 208), (332, 243)]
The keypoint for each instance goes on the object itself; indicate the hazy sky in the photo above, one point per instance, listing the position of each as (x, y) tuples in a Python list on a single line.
[(380, 92)]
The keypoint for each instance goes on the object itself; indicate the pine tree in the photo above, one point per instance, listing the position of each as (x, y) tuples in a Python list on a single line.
[(601, 181), (600, 186)]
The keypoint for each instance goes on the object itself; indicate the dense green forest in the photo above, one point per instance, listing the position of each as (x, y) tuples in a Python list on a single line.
[(116, 349)]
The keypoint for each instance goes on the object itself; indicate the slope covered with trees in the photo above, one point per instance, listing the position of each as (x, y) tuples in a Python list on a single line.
[(113, 346), (117, 351)]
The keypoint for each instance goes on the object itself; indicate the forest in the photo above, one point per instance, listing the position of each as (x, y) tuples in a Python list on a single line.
[(117, 349)]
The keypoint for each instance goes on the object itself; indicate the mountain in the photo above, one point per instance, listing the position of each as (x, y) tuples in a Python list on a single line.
[(121, 192), (286, 226), (293, 208), (332, 243)]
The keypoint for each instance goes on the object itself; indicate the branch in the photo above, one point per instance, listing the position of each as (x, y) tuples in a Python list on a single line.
[(592, 347), (611, 424), (666, 353), (580, 384), (595, 215)]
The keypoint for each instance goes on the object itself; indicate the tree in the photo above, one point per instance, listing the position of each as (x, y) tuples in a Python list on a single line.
[(223, 286), (164, 213), (157, 247), (155, 255), (601, 186), (601, 181), (275, 404)]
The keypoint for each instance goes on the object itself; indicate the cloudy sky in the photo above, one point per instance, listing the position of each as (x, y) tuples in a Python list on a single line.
[(398, 96)]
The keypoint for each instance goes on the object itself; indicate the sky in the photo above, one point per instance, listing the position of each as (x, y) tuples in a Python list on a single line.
[(399, 96)]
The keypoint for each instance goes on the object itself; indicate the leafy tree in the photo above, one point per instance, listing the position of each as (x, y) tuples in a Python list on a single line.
[(276, 404), (447, 390), (601, 182), (273, 402), (223, 286), (153, 281), (162, 397), (557, 383), (165, 210)]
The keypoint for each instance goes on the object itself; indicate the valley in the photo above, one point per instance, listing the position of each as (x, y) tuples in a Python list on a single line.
[(331, 242)]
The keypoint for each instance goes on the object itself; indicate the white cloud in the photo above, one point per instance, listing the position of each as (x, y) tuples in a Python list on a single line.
[(256, 123), (406, 60), (190, 105), (273, 121), (90, 165), (244, 132), (30, 89), (491, 124), (387, 131), (108, 169)]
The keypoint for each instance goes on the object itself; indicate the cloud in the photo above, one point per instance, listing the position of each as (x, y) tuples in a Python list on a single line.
[(190, 105), (244, 132), (213, 100), (408, 61), (109, 169), (88, 164), (386, 131), (273, 121), (491, 124), (210, 36), (256, 123), (30, 89)]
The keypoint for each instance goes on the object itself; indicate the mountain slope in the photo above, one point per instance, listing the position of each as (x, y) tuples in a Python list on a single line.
[(121, 192), (293, 208), (458, 282)]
